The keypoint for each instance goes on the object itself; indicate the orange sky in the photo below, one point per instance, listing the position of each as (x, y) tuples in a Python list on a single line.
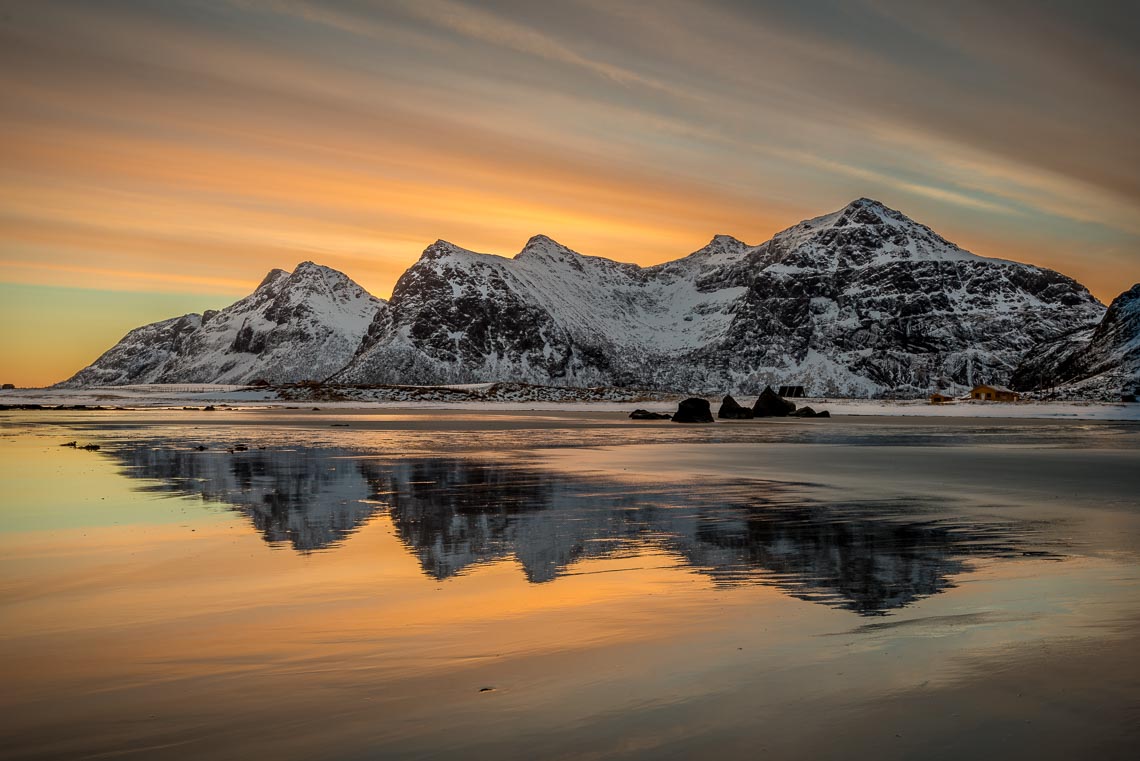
[(188, 148)]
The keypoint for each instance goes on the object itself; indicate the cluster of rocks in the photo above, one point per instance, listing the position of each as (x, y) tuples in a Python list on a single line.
[(771, 404), (697, 410), (75, 445)]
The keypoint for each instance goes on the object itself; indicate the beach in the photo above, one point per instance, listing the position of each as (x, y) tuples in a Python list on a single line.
[(364, 582)]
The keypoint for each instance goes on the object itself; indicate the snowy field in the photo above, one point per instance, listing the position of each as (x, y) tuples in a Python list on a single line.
[(197, 395)]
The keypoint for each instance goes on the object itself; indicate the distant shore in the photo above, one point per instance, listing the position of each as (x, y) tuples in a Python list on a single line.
[(221, 397)]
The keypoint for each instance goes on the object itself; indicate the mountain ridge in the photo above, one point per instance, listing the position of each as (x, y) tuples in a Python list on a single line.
[(862, 301), (727, 316), (292, 326)]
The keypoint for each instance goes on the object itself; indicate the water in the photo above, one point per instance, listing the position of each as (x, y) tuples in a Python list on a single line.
[(425, 585)]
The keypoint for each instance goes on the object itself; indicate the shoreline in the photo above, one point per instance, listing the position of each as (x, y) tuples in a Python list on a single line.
[(229, 398)]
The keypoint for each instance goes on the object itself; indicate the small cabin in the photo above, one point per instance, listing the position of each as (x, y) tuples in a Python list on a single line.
[(792, 392), (940, 398), (993, 394)]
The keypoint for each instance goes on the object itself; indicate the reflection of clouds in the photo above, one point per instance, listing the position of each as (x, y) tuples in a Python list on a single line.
[(453, 514)]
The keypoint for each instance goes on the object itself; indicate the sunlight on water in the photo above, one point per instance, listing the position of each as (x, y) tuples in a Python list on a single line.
[(335, 593)]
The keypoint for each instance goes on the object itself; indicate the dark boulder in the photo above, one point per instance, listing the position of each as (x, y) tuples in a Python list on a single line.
[(809, 412), (647, 415), (693, 410), (730, 409), (771, 404)]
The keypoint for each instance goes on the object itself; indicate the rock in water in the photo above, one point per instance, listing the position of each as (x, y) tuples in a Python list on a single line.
[(647, 415), (804, 412), (730, 409), (693, 410), (771, 404)]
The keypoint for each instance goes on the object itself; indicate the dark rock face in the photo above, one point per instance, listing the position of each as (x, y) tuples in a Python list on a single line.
[(1103, 360), (804, 412), (647, 415), (771, 404), (730, 409), (857, 302), (693, 410)]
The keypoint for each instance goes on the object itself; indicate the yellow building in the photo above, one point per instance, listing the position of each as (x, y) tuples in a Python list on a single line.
[(993, 394)]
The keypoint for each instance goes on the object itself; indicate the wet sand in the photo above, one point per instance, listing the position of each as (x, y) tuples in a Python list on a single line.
[(427, 584)]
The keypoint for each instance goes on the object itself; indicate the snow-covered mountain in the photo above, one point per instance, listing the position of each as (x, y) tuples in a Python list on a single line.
[(1099, 361), (861, 301), (306, 324)]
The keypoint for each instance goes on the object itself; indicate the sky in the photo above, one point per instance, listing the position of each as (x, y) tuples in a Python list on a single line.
[(160, 157)]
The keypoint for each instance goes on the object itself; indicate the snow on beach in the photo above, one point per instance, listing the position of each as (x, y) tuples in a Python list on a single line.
[(467, 397)]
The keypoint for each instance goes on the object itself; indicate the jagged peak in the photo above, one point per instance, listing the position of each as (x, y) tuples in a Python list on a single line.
[(1130, 295), (307, 267), (865, 202), (541, 240), (867, 211), (723, 242), (442, 248), (273, 276), (861, 211), (306, 270), (544, 245)]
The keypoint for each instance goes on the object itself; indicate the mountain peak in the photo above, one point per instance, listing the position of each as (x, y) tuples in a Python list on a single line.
[(543, 245), (720, 246), (864, 202), (273, 276), (1132, 294), (307, 267), (725, 243), (541, 240), (311, 271), (440, 249), (868, 211)]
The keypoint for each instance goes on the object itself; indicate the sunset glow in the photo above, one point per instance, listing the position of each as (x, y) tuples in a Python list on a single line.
[(181, 150)]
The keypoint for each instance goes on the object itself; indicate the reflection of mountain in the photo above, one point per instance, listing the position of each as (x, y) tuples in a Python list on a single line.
[(452, 514), (310, 498)]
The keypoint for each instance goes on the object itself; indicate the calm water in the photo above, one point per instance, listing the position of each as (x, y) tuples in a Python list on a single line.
[(434, 584)]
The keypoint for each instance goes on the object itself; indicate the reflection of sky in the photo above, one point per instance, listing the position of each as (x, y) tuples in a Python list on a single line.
[(250, 134), (190, 620)]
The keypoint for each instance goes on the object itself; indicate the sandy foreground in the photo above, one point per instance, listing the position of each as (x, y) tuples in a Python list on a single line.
[(870, 585)]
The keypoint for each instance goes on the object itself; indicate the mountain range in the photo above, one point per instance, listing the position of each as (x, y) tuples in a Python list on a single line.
[(860, 302)]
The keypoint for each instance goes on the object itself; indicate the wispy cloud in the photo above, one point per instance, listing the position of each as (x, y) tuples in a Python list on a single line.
[(248, 134)]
